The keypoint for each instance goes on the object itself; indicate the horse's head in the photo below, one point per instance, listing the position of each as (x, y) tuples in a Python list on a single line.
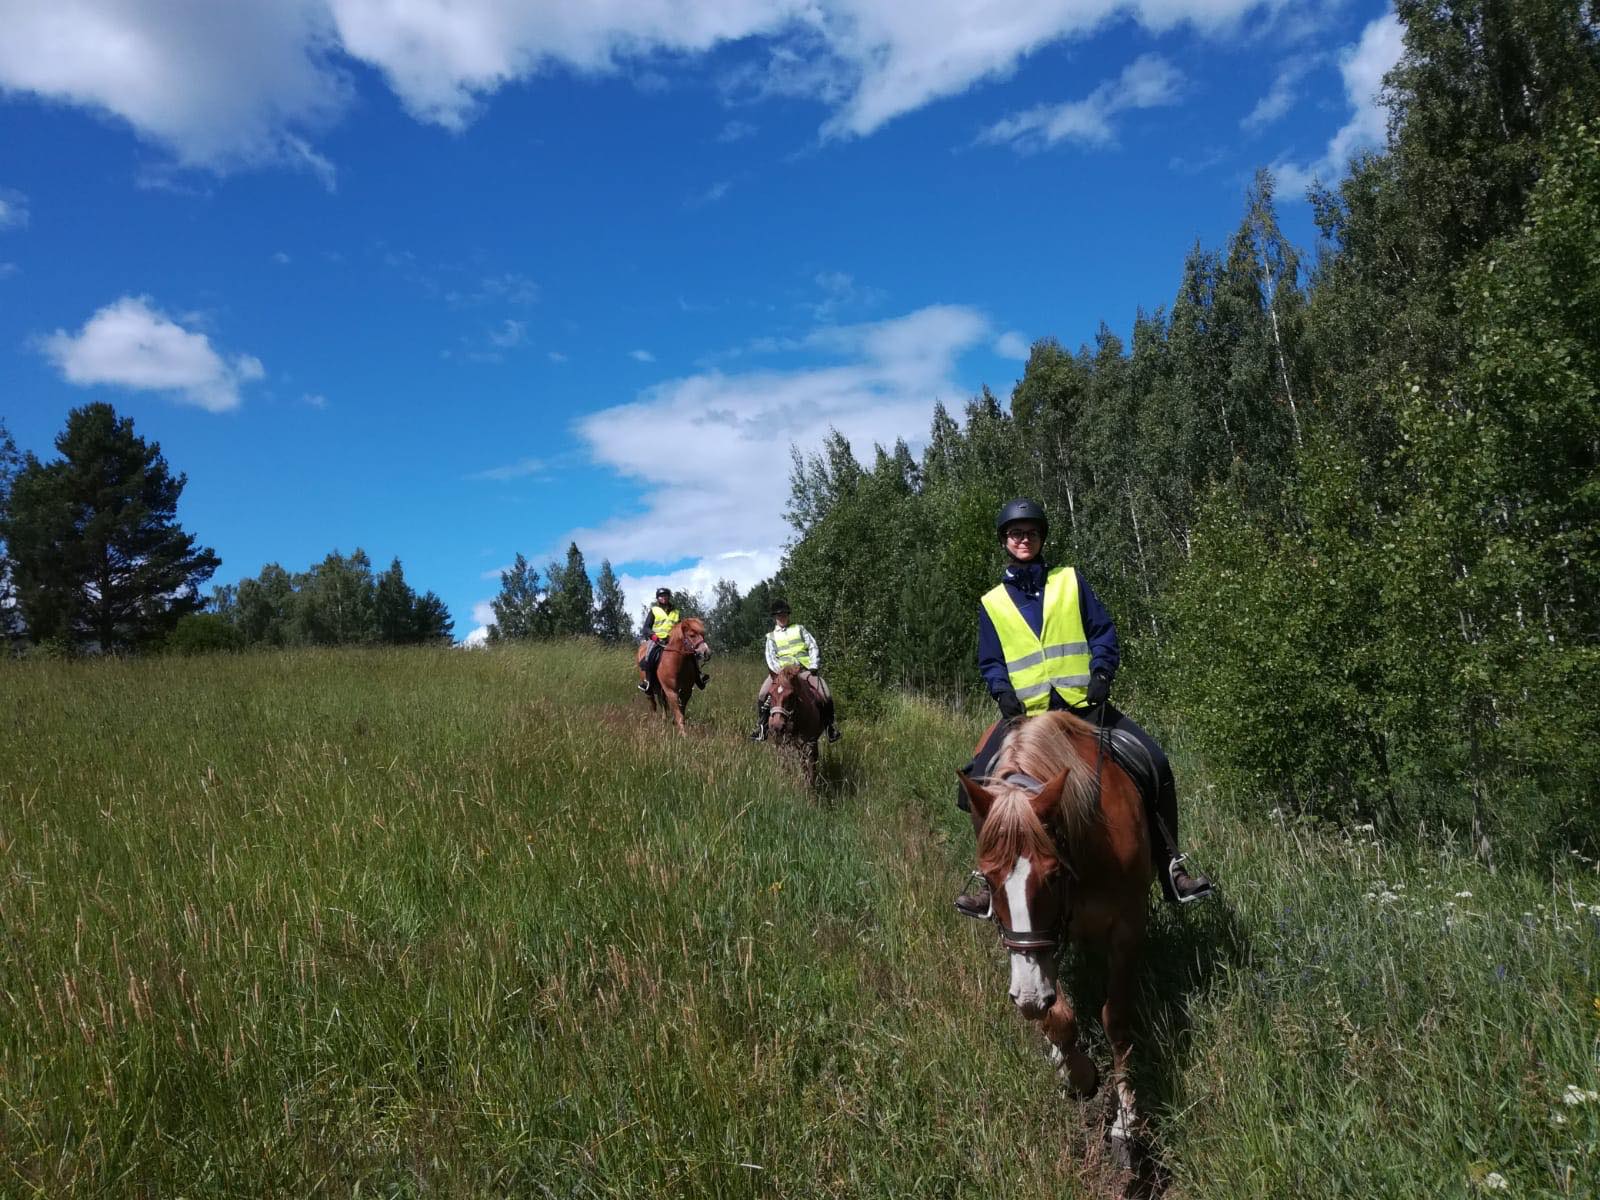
[(784, 696), (692, 632), (1019, 855)]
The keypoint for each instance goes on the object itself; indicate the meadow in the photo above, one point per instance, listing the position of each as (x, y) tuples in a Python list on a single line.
[(429, 922)]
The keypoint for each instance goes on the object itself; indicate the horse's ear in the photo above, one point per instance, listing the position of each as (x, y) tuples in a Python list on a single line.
[(980, 798), (1048, 800)]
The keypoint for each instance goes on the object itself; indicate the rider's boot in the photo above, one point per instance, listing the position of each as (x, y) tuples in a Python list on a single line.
[(1180, 886), (833, 732), (827, 716), (760, 735), (975, 902)]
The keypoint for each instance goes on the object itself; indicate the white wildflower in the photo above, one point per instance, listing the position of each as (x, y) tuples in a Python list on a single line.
[(1463, 895), (1495, 1182), (1367, 828), (1575, 1095)]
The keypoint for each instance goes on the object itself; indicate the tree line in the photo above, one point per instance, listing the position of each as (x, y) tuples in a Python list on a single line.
[(92, 558), (1345, 507)]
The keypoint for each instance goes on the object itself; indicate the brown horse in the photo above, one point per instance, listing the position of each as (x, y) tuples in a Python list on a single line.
[(679, 668), (1063, 843), (795, 721)]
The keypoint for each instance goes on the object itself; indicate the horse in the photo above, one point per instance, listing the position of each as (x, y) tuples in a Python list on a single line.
[(794, 722), (1063, 842), (678, 668)]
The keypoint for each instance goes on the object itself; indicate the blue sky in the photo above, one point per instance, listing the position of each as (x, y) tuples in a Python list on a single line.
[(453, 279)]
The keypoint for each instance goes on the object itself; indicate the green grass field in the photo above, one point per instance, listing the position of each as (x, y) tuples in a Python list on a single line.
[(461, 924)]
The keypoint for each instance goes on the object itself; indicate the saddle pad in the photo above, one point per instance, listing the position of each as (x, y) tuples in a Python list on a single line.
[(1128, 752)]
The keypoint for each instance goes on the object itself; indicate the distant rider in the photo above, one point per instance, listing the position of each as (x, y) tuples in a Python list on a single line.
[(792, 645), (657, 627), (1046, 643)]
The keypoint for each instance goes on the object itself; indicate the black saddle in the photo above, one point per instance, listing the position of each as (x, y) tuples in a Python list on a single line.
[(1128, 752)]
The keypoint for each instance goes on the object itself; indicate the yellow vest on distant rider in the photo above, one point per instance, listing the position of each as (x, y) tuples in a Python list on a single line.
[(662, 621), (1057, 657), (790, 646)]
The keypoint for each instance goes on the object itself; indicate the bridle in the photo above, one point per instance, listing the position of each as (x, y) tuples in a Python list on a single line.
[(1031, 941)]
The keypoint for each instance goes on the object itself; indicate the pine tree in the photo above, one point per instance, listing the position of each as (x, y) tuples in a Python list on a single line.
[(98, 558), (394, 605), (610, 608), (519, 609), (571, 599)]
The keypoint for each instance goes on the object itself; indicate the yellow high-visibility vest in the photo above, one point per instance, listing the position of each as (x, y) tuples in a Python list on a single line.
[(1057, 657), (790, 646), (662, 621)]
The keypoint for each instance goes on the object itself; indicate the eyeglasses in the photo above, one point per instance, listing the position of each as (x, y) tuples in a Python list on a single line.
[(1023, 535)]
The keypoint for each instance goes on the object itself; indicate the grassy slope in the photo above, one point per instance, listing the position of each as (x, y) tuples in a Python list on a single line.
[(460, 924)]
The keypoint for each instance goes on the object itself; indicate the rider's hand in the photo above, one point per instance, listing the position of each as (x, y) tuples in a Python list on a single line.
[(1099, 687), (1010, 706)]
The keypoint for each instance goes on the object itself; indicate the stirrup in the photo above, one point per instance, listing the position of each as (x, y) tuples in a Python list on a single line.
[(1193, 897), (975, 877), (644, 686)]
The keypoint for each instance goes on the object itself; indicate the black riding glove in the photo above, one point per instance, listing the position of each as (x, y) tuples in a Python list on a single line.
[(1010, 706), (1099, 688)]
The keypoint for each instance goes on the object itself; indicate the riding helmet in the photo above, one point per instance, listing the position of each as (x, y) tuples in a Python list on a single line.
[(1022, 509), (780, 608)]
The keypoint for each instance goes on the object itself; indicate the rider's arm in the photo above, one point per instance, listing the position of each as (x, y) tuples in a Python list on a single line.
[(992, 666), (811, 649), (772, 655), (1104, 652)]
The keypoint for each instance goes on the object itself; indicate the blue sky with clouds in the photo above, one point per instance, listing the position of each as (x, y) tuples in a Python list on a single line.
[(453, 279)]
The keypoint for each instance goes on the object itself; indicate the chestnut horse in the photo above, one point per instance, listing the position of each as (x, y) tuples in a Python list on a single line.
[(795, 720), (678, 669), (1063, 843)]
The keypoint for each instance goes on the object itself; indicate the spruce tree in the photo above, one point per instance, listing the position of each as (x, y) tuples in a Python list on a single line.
[(97, 555), (610, 608)]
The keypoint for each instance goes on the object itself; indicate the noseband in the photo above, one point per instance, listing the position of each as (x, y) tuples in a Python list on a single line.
[(1033, 940)]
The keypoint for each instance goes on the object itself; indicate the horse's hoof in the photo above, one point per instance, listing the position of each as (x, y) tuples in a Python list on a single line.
[(1124, 1152)]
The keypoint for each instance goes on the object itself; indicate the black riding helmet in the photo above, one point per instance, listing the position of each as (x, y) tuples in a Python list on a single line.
[(1022, 509), (780, 608), (663, 593)]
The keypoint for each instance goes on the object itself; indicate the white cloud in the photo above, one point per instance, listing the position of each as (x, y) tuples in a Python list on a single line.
[(8, 269), (228, 84), (130, 344), (711, 195), (281, 258), (13, 209), (1150, 81), (880, 385), (517, 470), (643, 356), (736, 131), (1363, 67), (743, 568), (315, 400), (1280, 98), (556, 356), (219, 84), (1012, 345), (509, 334)]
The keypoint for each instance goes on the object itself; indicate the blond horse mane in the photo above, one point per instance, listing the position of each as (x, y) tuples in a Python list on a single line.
[(1043, 747)]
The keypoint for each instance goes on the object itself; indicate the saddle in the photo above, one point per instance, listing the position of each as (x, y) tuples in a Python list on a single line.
[(1129, 754)]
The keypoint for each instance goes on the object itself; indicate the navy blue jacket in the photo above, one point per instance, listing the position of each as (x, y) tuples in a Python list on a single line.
[(1025, 585)]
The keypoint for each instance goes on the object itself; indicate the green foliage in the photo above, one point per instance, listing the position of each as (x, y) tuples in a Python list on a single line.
[(520, 611), (204, 633), (97, 557), (570, 600), (610, 608)]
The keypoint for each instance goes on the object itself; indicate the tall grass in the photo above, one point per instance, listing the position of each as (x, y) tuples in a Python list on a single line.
[(427, 922)]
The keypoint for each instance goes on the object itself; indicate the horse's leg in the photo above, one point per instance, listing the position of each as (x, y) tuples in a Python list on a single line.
[(677, 702), (810, 762), (1076, 1069), (1117, 1020)]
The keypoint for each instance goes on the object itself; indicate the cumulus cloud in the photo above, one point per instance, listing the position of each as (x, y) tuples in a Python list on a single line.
[(131, 344), (227, 84), (1150, 81), (220, 85), (1363, 67), (875, 382)]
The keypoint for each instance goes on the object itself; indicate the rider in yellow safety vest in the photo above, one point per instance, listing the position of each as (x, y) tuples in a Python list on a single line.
[(792, 645), (1045, 642), (658, 626)]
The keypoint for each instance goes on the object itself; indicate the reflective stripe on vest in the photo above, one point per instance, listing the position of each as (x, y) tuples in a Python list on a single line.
[(1055, 658), (790, 646), (662, 621)]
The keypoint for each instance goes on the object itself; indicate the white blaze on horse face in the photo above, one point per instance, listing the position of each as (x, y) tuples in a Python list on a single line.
[(1032, 986)]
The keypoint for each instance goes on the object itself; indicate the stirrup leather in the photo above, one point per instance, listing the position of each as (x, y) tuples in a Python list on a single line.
[(975, 877), (1193, 897)]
